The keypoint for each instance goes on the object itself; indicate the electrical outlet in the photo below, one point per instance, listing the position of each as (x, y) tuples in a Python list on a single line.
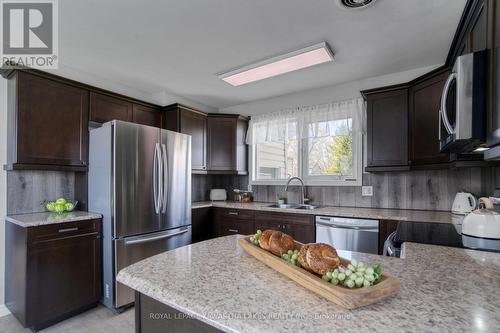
[(367, 191)]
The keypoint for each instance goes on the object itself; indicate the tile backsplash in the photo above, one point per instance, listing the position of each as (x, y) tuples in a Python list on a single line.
[(425, 190), (27, 191), (429, 190)]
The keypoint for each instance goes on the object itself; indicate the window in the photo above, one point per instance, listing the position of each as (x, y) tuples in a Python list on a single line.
[(321, 144)]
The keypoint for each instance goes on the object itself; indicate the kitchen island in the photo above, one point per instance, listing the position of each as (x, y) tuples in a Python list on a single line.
[(222, 288)]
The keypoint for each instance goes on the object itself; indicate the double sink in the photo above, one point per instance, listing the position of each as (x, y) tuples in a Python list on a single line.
[(294, 206)]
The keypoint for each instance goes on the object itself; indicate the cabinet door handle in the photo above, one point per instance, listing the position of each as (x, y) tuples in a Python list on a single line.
[(232, 213), (233, 230), (279, 226), (68, 229)]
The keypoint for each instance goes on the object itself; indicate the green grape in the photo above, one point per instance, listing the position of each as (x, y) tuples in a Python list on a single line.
[(293, 261), (290, 252), (361, 269), (359, 281), (366, 283), (348, 272), (350, 284), (286, 257), (361, 264), (259, 231), (329, 274), (351, 267), (335, 281), (341, 277), (359, 273), (352, 277), (335, 274), (354, 263), (369, 277), (336, 270), (325, 277), (369, 271), (252, 239), (295, 256)]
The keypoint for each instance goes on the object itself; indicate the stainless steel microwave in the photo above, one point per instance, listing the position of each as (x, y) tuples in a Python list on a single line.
[(462, 117)]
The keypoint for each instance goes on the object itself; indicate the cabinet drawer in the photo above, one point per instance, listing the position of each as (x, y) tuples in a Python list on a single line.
[(226, 227), (234, 214), (62, 230), (284, 217)]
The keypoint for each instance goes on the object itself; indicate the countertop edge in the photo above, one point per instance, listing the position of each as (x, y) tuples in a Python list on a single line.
[(326, 211), (81, 216)]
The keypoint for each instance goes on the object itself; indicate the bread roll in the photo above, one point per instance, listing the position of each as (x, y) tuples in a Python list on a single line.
[(264, 239), (319, 258), (280, 243), (302, 257)]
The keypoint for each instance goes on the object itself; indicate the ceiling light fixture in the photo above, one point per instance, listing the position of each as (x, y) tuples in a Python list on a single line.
[(303, 58)]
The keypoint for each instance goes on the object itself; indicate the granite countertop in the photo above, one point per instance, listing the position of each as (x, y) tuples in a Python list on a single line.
[(364, 213), (442, 289), (36, 219)]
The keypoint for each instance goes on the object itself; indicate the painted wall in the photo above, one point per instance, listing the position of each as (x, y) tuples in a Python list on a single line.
[(3, 182), (324, 95)]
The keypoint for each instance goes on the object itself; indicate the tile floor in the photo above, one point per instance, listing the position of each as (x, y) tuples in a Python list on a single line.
[(97, 320)]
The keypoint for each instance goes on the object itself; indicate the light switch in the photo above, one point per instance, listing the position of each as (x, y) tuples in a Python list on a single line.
[(367, 191)]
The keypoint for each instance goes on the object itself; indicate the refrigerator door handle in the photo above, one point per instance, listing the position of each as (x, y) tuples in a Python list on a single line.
[(142, 239), (165, 178), (156, 166)]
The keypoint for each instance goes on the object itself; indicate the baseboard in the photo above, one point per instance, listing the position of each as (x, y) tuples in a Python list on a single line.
[(3, 310)]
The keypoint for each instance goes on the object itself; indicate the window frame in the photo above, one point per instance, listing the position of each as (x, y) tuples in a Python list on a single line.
[(302, 160)]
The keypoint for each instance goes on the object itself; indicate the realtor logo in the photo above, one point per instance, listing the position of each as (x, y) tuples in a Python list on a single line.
[(29, 34)]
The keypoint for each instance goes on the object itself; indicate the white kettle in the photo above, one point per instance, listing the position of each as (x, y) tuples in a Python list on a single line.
[(481, 228), (464, 203)]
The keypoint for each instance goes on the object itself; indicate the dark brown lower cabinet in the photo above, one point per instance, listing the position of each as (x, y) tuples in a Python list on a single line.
[(52, 271), (152, 316), (299, 226), (202, 224), (385, 228), (234, 221)]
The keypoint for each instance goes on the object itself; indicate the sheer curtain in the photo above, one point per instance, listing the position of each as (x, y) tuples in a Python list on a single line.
[(332, 119)]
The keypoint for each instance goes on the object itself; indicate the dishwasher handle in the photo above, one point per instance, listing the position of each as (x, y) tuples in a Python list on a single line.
[(349, 227)]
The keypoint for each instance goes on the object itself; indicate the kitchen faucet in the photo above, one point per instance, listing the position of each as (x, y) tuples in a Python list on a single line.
[(302, 201)]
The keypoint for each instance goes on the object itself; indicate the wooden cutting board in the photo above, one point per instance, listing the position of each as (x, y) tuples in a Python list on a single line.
[(345, 297)]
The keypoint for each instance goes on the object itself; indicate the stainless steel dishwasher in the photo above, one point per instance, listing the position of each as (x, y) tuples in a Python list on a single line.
[(348, 234)]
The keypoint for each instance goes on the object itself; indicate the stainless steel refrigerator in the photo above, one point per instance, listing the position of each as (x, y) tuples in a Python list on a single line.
[(140, 181)]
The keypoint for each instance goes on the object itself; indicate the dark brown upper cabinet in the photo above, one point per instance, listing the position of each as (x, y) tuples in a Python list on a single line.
[(146, 115), (387, 128), (104, 108), (185, 120), (493, 119), (227, 150), (478, 34), (48, 123), (424, 106)]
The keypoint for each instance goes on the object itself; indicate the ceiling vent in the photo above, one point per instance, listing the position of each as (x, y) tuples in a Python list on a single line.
[(356, 4)]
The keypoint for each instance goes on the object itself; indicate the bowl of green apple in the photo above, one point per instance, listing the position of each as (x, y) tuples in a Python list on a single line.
[(61, 205)]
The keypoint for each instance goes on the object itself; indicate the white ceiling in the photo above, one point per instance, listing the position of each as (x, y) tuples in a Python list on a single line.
[(178, 47)]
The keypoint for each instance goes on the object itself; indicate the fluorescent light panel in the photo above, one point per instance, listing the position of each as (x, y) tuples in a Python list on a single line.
[(303, 58)]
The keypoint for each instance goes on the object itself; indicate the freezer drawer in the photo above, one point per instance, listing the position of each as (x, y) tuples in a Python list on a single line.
[(133, 249)]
